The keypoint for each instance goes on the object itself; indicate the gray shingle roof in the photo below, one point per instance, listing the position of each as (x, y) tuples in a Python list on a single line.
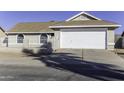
[(32, 27), (44, 26)]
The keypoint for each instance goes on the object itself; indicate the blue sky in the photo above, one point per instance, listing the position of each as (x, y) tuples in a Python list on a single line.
[(9, 18)]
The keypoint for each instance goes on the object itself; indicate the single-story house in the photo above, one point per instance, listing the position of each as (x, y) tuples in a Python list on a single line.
[(3, 38), (79, 31)]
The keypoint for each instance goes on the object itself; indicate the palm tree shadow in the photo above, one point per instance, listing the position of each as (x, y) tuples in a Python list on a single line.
[(69, 62)]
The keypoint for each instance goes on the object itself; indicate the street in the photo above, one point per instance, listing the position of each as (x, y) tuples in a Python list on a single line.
[(24, 73)]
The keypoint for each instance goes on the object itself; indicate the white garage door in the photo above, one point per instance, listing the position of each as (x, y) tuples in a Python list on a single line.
[(83, 39)]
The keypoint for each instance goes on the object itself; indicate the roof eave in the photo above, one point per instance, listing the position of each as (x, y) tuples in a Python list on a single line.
[(27, 32), (79, 26)]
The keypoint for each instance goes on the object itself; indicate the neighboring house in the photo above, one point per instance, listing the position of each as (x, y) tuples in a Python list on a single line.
[(80, 31), (122, 39), (3, 38)]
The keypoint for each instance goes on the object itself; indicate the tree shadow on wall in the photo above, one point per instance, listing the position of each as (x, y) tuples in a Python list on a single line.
[(72, 63)]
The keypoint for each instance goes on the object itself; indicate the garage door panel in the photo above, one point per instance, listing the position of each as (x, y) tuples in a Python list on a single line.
[(82, 39)]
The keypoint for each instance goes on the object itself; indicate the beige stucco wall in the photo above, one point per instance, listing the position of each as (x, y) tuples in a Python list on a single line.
[(2, 38), (32, 40), (57, 40), (2, 34), (110, 39), (81, 17), (12, 41), (29, 41)]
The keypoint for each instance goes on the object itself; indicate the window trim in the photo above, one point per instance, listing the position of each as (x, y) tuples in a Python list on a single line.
[(40, 37), (17, 38)]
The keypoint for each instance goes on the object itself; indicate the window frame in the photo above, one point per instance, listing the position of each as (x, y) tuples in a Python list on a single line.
[(45, 40), (20, 39)]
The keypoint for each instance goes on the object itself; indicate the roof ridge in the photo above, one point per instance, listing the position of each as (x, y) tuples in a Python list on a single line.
[(38, 22)]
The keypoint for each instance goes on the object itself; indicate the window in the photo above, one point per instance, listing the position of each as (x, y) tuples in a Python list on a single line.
[(20, 38), (43, 38)]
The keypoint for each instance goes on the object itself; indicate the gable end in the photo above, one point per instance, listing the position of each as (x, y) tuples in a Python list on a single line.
[(83, 16)]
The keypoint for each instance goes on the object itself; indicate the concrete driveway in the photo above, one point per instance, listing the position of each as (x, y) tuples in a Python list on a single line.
[(104, 57), (67, 64), (95, 56), (98, 64)]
